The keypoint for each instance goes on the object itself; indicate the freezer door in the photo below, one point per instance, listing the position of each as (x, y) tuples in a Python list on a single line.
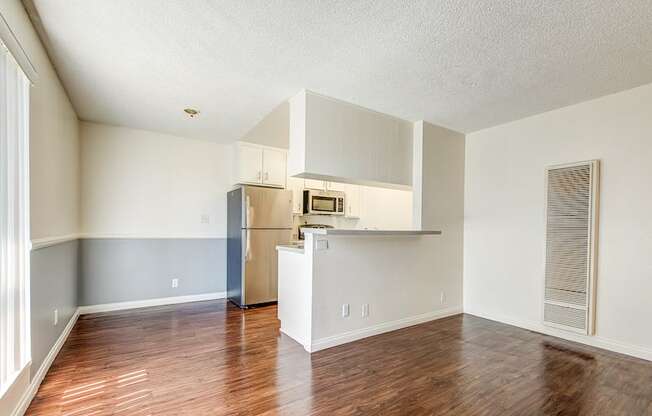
[(261, 264), (267, 207)]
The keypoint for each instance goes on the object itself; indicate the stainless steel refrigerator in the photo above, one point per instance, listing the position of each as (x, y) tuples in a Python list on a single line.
[(259, 219)]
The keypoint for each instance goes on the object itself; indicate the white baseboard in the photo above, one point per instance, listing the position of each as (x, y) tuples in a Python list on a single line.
[(343, 338), (283, 331), (591, 340), (45, 366), (119, 306)]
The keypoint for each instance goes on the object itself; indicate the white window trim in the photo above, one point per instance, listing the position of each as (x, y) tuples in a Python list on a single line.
[(8, 37), (15, 337)]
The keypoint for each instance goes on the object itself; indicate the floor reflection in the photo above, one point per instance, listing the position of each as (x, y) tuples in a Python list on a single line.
[(211, 358)]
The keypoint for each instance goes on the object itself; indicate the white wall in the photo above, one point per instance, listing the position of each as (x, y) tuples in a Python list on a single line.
[(504, 214), (273, 130), (54, 167), (54, 140), (438, 197), (139, 183)]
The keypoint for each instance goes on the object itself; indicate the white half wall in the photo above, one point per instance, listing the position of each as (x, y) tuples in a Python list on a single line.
[(505, 224), (397, 276), (138, 183)]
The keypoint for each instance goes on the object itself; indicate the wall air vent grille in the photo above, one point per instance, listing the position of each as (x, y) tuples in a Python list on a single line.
[(562, 315), (571, 214)]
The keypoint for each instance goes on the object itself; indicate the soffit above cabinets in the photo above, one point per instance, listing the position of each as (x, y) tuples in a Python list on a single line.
[(338, 141)]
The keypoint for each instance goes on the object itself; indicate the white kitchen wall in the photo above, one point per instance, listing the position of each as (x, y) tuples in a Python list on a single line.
[(504, 215), (139, 183), (385, 209)]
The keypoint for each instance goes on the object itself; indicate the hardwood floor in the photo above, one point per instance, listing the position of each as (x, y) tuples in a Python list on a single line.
[(210, 358)]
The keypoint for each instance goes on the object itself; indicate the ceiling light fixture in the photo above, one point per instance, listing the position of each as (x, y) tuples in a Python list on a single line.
[(191, 112)]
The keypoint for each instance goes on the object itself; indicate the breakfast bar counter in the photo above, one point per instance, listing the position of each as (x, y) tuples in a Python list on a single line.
[(350, 284)]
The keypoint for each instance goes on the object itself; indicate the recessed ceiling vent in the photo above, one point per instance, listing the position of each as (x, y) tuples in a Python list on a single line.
[(571, 246)]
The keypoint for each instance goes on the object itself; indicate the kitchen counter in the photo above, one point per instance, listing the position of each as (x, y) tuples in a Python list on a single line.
[(339, 231), (293, 248)]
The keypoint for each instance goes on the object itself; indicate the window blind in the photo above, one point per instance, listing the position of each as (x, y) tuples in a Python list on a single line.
[(14, 220)]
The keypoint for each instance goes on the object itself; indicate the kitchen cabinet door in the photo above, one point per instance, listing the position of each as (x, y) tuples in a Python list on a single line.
[(353, 201), (296, 186), (274, 167), (337, 186), (315, 184), (250, 163)]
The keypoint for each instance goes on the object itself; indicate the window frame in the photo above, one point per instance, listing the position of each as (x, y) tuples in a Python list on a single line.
[(15, 244)]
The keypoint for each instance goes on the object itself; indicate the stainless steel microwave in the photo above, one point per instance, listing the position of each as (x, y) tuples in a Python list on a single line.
[(318, 202)]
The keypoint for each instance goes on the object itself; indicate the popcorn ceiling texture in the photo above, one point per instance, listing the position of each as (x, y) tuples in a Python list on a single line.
[(464, 65)]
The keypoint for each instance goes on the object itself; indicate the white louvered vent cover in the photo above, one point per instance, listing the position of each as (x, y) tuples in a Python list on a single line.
[(571, 218)]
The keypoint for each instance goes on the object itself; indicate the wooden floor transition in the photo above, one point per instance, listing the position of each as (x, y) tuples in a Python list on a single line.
[(210, 358)]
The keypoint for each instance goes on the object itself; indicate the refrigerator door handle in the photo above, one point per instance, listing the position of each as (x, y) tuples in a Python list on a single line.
[(248, 246), (247, 211)]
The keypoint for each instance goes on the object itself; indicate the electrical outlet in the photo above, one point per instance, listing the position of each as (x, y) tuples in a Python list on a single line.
[(55, 321), (175, 283), (442, 298), (345, 310), (205, 219), (365, 310)]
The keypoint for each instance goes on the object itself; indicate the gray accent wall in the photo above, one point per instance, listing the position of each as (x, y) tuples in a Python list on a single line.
[(119, 270), (53, 284)]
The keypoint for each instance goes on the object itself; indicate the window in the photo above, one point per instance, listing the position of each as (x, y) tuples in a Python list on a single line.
[(14, 220)]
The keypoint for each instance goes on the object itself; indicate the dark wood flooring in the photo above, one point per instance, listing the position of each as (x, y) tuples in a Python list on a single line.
[(210, 358)]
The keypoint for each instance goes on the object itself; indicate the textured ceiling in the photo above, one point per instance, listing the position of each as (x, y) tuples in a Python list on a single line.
[(462, 64)]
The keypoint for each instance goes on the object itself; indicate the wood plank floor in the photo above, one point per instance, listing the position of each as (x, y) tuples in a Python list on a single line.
[(210, 358)]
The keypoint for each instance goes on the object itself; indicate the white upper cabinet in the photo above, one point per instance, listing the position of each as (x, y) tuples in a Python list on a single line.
[(353, 202), (296, 185), (274, 171), (250, 164), (315, 184), (260, 165)]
